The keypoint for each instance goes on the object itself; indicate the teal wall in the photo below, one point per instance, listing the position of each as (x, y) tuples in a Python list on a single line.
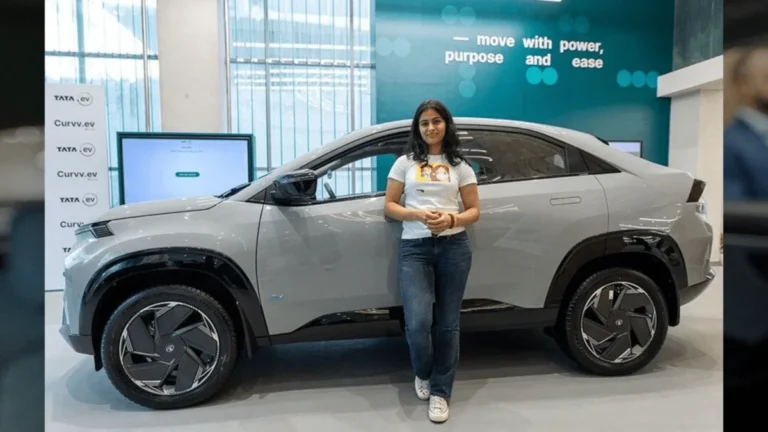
[(616, 101)]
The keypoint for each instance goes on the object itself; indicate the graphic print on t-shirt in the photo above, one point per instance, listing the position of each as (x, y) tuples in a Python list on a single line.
[(434, 172)]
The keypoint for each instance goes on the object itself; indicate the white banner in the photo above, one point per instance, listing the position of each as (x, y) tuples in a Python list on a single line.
[(76, 169)]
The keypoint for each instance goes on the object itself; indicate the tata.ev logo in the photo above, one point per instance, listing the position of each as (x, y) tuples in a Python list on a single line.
[(88, 200), (66, 250), (86, 149), (83, 98)]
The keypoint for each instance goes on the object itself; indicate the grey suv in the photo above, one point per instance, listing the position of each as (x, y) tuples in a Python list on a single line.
[(599, 247)]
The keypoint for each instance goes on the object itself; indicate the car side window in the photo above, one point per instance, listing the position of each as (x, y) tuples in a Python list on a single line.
[(362, 172), (506, 156)]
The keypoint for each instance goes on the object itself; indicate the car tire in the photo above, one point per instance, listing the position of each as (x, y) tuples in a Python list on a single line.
[(608, 334), (207, 352)]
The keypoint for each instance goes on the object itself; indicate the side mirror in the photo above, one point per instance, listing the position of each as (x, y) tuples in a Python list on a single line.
[(298, 187)]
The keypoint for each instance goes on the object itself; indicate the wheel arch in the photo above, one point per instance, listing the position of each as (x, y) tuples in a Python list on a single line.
[(653, 253), (207, 270)]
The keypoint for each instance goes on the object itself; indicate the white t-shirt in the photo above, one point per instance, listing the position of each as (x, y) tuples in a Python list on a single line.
[(434, 187)]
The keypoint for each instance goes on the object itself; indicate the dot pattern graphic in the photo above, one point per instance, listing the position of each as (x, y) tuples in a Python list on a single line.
[(467, 71), (401, 47), (624, 78), (638, 79), (581, 24), (549, 76), (467, 88), (651, 79), (450, 14), (535, 76), (384, 46), (466, 16), (568, 23)]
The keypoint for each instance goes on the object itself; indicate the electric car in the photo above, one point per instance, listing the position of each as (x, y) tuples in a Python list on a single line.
[(598, 247)]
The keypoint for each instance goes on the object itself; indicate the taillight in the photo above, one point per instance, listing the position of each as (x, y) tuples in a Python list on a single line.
[(697, 190)]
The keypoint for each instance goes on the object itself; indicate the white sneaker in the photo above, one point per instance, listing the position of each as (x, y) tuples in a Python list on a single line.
[(438, 409), (422, 389)]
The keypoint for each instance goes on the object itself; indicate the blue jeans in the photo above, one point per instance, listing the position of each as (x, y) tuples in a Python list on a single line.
[(433, 276)]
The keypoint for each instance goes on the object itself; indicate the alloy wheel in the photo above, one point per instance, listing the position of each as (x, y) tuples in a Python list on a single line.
[(169, 348), (618, 322)]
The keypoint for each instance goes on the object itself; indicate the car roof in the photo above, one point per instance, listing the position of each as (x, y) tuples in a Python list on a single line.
[(571, 136), (567, 135), (583, 141), (478, 121)]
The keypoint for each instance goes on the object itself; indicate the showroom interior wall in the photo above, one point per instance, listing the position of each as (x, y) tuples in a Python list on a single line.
[(695, 89), (591, 65), (698, 32), (111, 43), (696, 134), (192, 80), (300, 72), (301, 75)]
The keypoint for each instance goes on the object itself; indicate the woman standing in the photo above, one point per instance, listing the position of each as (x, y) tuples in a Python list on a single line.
[(435, 254)]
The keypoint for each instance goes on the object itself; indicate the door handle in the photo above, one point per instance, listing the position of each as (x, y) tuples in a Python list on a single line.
[(565, 201)]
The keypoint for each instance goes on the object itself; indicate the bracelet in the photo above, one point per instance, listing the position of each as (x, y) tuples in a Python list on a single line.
[(453, 220)]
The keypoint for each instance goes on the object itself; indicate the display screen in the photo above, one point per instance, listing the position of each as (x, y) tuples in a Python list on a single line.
[(631, 147), (157, 167)]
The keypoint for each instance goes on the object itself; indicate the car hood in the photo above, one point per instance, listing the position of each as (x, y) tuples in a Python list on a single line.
[(151, 208)]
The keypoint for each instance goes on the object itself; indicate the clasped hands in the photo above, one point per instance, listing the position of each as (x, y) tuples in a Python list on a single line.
[(436, 221)]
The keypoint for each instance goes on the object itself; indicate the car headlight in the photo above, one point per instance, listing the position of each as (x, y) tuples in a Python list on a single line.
[(83, 233), (94, 230)]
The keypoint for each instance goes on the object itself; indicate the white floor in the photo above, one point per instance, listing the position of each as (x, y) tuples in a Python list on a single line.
[(510, 381)]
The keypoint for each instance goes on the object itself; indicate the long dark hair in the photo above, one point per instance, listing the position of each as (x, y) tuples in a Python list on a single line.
[(418, 149)]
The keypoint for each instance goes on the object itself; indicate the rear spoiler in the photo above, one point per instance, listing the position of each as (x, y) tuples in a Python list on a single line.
[(697, 190)]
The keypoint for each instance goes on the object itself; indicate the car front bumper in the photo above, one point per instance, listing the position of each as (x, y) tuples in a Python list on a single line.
[(690, 293)]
